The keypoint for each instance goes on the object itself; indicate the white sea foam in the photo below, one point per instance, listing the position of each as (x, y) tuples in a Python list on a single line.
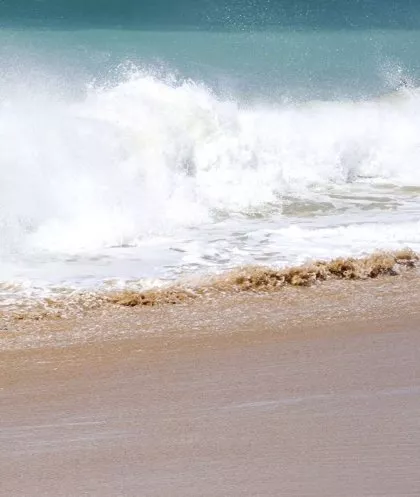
[(153, 177)]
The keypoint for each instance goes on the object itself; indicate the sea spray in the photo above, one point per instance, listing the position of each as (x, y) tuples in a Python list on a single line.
[(147, 155)]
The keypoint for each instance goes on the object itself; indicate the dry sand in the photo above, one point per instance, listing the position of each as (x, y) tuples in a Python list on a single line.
[(305, 392)]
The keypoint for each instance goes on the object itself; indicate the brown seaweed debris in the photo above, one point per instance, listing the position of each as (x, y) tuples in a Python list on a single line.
[(263, 279), (372, 266), (150, 298)]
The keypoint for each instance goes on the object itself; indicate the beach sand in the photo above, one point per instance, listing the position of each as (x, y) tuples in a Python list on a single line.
[(302, 392)]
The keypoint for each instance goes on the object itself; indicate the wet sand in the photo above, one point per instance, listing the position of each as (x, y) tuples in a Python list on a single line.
[(313, 392)]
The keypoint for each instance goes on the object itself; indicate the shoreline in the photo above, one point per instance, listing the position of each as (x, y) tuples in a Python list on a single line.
[(313, 391), (242, 280), (287, 310)]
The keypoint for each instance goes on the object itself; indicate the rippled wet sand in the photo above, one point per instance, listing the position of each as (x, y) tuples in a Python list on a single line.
[(310, 392)]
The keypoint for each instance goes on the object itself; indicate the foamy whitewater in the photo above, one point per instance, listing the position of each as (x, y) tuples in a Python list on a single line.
[(151, 176)]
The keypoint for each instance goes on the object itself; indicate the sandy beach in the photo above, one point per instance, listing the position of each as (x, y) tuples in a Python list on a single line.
[(209, 248), (307, 392)]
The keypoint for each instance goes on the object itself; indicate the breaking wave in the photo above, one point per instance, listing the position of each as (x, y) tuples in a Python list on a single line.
[(147, 155)]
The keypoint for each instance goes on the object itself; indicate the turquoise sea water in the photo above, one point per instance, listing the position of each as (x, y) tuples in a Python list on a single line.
[(272, 64), (145, 142)]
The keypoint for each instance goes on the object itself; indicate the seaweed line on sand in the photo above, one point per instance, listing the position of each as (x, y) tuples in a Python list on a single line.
[(265, 279), (244, 279)]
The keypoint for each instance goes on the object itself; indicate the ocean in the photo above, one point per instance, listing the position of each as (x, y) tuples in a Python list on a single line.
[(143, 144)]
